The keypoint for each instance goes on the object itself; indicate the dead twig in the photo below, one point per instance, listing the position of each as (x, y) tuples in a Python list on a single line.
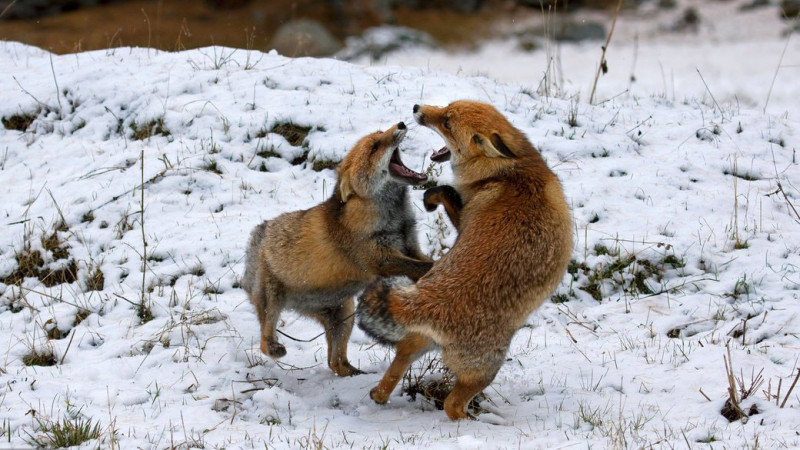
[(603, 66), (785, 197), (794, 383), (731, 411)]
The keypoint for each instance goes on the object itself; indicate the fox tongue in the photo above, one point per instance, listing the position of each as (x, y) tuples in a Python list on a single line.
[(398, 169), (441, 155)]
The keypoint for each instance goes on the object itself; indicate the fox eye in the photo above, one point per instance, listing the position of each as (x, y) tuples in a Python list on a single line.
[(446, 123), (375, 147)]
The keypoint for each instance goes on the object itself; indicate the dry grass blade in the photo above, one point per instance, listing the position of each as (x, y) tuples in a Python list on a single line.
[(775, 76), (603, 67), (794, 383), (732, 411), (788, 202), (3, 13), (756, 380)]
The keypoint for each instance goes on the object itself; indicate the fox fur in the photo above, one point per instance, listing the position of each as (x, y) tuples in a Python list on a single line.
[(316, 260), (512, 250)]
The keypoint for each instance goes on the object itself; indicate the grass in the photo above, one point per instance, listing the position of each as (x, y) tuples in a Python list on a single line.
[(430, 379), (300, 159), (617, 272), (267, 152), (40, 358), (19, 122), (212, 166), (733, 410), (29, 263), (293, 133), (433, 171), (439, 232), (68, 432), (52, 267), (572, 113), (604, 271), (323, 164), (602, 67), (154, 127), (96, 280), (592, 416)]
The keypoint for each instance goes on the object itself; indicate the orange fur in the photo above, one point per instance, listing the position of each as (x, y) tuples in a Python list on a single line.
[(514, 243), (314, 261)]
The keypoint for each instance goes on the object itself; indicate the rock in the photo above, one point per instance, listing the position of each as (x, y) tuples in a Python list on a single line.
[(462, 6), (227, 4), (790, 9), (688, 21), (580, 31), (560, 5), (546, 5), (567, 31), (376, 42), (31, 9), (304, 37), (667, 4), (754, 4), (465, 6)]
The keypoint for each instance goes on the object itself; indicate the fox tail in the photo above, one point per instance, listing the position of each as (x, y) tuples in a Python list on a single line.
[(251, 257), (373, 313)]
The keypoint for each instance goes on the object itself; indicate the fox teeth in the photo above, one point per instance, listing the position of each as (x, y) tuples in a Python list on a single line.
[(441, 155), (397, 168)]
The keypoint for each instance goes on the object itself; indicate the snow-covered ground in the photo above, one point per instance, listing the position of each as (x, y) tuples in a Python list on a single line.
[(744, 58), (687, 251)]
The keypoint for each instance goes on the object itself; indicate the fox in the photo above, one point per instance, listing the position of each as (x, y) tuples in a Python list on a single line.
[(315, 261), (513, 246)]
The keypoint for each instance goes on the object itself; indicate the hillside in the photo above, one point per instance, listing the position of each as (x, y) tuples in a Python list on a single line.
[(131, 178)]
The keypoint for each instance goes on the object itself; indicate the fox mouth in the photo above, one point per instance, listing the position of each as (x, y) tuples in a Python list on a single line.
[(441, 155), (400, 171)]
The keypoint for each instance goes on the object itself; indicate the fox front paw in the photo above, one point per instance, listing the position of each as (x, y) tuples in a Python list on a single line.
[(459, 415), (273, 349), (442, 195), (346, 370), (378, 396)]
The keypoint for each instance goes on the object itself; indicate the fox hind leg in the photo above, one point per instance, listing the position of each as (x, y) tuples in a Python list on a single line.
[(409, 349), (266, 297), (467, 387), (338, 324), (474, 370)]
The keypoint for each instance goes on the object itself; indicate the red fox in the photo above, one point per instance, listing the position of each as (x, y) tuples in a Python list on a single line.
[(512, 250), (315, 261)]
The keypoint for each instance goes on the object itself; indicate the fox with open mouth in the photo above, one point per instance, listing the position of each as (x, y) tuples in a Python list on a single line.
[(314, 261)]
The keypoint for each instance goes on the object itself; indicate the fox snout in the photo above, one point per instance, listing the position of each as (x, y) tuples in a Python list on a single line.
[(442, 154), (399, 133), (418, 116), (427, 115)]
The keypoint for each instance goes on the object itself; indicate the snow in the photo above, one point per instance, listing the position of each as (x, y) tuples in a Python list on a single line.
[(745, 59), (680, 182)]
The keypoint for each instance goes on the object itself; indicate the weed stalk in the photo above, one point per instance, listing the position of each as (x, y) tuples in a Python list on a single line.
[(603, 66)]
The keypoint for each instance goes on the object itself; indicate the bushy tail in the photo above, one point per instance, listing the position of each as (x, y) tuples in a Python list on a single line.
[(251, 257), (373, 315)]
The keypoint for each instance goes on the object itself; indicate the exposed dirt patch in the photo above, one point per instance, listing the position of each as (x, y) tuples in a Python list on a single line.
[(185, 24), (19, 122)]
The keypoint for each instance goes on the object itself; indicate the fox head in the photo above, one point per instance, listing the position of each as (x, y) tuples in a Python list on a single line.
[(373, 162), (473, 132)]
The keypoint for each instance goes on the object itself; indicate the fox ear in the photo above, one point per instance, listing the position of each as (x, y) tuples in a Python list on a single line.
[(501, 146), (494, 147), (345, 186)]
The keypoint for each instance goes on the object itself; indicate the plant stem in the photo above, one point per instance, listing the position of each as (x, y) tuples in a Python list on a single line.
[(602, 65)]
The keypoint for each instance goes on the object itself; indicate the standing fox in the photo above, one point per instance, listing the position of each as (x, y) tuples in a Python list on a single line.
[(314, 261), (514, 243)]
